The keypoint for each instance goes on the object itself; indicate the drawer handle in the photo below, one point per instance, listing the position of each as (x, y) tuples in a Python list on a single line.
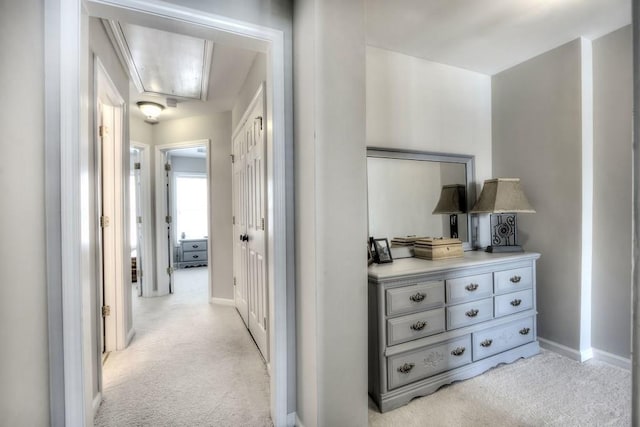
[(524, 331), (418, 297), (516, 302), (195, 256), (472, 313), (515, 279), (486, 343), (194, 246), (419, 325), (471, 287), (406, 368), (458, 351)]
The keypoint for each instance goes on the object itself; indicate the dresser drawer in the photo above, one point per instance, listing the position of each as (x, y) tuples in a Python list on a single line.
[(512, 280), (200, 245), (469, 288), (514, 302), (469, 313), (412, 366), (194, 256), (496, 340), (412, 298), (413, 326)]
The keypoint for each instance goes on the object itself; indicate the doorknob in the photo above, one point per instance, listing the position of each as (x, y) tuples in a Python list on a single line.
[(244, 237)]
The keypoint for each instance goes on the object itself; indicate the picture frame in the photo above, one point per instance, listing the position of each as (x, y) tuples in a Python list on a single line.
[(381, 250)]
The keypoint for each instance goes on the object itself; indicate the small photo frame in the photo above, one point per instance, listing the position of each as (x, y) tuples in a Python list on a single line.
[(381, 250)]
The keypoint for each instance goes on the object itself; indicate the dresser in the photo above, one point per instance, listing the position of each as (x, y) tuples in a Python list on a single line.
[(435, 322), (193, 253)]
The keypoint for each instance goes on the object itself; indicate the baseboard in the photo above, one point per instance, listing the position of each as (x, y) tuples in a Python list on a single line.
[(580, 356), (612, 359), (130, 336), (223, 301), (297, 421), (97, 400)]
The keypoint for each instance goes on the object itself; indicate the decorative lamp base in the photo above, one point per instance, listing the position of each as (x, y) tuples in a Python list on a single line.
[(501, 249)]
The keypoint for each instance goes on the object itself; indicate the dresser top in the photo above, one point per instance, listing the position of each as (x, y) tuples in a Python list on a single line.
[(410, 266)]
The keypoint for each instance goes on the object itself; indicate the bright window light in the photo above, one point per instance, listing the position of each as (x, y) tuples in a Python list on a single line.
[(191, 206)]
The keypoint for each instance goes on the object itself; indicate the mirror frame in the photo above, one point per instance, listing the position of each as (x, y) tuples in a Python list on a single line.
[(467, 160)]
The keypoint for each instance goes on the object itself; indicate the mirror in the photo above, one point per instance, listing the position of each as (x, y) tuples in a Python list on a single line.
[(404, 188)]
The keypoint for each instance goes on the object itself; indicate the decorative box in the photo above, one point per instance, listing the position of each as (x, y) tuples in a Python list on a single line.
[(438, 248)]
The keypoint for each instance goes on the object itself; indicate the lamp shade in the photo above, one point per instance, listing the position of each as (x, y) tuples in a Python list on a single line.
[(452, 200), (502, 195)]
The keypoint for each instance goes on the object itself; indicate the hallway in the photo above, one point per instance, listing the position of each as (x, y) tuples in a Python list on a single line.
[(190, 363)]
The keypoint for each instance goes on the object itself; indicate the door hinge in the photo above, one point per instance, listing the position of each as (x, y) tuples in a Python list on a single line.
[(234, 281), (233, 220), (259, 118), (265, 321), (169, 271), (104, 221), (168, 219), (103, 130), (136, 165), (139, 219), (263, 224), (167, 167), (233, 158), (106, 310)]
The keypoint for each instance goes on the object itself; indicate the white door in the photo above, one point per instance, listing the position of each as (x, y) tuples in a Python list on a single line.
[(168, 176), (136, 226), (250, 263)]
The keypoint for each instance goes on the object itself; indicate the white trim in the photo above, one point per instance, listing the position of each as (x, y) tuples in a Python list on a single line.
[(223, 301), (97, 401), (130, 335), (580, 356), (161, 202), (612, 359), (296, 421), (67, 109), (148, 273)]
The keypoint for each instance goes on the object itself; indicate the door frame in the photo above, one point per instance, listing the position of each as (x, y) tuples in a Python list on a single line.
[(67, 196), (161, 203), (148, 273)]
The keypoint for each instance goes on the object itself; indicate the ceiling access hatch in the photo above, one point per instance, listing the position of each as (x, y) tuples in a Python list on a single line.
[(162, 63)]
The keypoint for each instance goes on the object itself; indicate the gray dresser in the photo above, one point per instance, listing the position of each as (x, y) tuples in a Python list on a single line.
[(193, 253), (435, 322)]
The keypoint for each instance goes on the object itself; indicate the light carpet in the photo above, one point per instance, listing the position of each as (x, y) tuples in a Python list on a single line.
[(190, 363), (545, 390)]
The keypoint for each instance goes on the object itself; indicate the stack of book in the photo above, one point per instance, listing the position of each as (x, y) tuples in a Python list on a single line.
[(437, 248), (404, 241)]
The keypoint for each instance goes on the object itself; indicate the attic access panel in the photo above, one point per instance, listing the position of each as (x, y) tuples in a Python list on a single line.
[(163, 63)]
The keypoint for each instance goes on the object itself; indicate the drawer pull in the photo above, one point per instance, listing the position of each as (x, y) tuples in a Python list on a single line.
[(458, 351), (419, 325), (472, 313), (194, 246), (515, 279), (195, 256), (471, 287), (406, 368), (524, 331), (486, 343), (516, 302), (418, 297)]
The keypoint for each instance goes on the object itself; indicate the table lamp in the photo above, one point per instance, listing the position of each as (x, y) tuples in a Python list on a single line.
[(453, 202)]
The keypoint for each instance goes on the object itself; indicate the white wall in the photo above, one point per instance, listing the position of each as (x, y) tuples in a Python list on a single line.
[(140, 131), (329, 72), (188, 164), (613, 90), (421, 105), (216, 128), (24, 385), (256, 75), (537, 137)]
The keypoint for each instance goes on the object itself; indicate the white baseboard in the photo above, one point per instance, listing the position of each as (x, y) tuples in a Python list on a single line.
[(130, 336), (297, 422), (612, 359), (580, 356), (97, 400), (223, 301)]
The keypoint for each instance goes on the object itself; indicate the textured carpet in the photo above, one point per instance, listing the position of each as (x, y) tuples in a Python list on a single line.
[(545, 390), (191, 363)]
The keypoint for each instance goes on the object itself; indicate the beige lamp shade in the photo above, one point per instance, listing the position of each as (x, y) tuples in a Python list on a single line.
[(452, 200), (502, 195)]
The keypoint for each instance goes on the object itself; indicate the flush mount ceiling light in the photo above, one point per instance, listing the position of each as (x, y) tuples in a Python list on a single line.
[(151, 110)]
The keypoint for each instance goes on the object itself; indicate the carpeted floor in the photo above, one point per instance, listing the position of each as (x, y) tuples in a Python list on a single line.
[(191, 363), (545, 390)]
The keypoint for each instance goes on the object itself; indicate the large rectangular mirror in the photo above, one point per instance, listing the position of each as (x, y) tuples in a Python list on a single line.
[(404, 188)]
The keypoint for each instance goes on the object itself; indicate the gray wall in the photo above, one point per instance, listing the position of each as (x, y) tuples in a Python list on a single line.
[(536, 116), (188, 164), (613, 90), (256, 75), (24, 385), (331, 208), (216, 128), (139, 131)]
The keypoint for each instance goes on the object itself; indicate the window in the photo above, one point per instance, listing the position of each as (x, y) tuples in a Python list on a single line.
[(191, 206)]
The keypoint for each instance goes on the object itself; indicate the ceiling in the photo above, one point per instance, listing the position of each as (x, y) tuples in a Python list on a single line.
[(202, 76), (488, 36)]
